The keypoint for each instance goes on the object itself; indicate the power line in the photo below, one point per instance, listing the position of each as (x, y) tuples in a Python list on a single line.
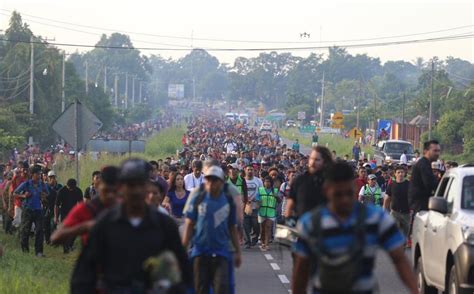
[(243, 41), (458, 76), (99, 34), (361, 45)]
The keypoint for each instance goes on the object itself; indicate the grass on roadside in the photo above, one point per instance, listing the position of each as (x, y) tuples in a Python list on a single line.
[(161, 145), (338, 143), (24, 273)]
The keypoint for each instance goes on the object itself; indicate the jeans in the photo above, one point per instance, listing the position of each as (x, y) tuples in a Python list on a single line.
[(211, 271), (28, 217), (402, 220), (48, 226), (251, 224)]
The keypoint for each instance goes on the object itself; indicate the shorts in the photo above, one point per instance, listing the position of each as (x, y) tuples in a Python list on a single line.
[(314, 144), (261, 219)]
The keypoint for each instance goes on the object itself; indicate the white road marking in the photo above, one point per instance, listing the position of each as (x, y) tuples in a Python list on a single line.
[(283, 279), (268, 256), (275, 266)]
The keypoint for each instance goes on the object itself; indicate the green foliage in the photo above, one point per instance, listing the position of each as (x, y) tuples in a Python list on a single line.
[(165, 143), (450, 126), (25, 273)]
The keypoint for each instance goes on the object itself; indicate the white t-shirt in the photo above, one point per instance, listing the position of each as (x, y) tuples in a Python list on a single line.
[(252, 188), (191, 182), (403, 159)]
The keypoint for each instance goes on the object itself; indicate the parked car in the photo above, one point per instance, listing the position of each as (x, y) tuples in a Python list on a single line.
[(443, 237), (266, 127), (290, 123), (391, 150)]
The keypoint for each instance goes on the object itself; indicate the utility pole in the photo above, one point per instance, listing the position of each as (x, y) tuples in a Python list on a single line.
[(126, 90), (357, 106), (321, 115), (430, 119), (32, 78), (63, 82), (375, 110), (105, 79), (140, 92), (133, 91), (403, 116), (116, 91), (87, 77)]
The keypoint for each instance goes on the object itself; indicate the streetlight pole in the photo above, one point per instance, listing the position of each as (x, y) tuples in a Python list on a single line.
[(403, 116), (133, 91)]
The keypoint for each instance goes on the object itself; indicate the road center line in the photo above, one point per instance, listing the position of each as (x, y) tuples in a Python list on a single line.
[(283, 279), (275, 266), (268, 256)]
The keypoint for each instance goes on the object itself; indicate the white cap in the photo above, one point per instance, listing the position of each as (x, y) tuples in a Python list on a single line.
[(51, 173), (215, 171)]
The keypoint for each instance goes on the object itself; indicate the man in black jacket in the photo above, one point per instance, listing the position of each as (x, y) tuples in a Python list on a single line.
[(128, 237), (423, 182)]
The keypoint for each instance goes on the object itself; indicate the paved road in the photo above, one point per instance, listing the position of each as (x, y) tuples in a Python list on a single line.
[(270, 272)]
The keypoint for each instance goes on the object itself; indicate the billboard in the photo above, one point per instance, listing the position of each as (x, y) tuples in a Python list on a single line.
[(176, 91), (384, 129), (116, 146)]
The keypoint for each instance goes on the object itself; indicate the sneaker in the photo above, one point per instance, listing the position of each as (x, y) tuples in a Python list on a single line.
[(40, 255), (247, 246)]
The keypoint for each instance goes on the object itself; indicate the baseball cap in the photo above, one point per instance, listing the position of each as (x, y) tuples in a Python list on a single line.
[(233, 166), (51, 173), (215, 171), (372, 177), (134, 170)]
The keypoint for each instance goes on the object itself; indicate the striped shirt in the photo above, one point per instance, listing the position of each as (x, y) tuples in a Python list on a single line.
[(380, 232)]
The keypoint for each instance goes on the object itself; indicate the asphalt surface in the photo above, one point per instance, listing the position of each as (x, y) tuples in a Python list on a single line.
[(270, 272)]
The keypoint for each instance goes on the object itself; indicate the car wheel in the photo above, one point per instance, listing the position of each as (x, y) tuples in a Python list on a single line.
[(453, 284), (423, 288)]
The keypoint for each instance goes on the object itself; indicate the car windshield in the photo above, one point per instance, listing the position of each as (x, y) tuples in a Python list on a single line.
[(468, 193), (398, 148)]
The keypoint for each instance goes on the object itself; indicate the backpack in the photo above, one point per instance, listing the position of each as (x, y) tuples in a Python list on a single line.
[(338, 273), (202, 194)]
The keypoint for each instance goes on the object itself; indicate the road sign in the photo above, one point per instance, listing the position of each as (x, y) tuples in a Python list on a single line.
[(338, 120), (77, 125), (301, 115), (355, 133)]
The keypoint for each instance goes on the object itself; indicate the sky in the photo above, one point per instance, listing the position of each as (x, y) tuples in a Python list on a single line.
[(257, 21)]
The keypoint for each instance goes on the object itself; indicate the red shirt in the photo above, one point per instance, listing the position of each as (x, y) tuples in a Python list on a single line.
[(359, 184), (16, 182), (79, 214)]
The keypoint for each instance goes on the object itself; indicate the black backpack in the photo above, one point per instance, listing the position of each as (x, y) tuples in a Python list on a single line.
[(338, 273)]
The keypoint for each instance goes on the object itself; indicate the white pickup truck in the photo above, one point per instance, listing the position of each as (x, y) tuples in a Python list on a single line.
[(443, 236)]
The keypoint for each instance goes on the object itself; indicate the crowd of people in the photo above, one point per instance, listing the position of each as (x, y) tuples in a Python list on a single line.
[(183, 221)]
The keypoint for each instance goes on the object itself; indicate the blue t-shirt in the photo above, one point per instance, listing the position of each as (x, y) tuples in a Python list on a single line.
[(177, 205), (381, 231), (34, 201), (211, 219)]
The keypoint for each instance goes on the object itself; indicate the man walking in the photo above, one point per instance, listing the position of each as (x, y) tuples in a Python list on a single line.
[(194, 179), (346, 266), (67, 198), (53, 188), (91, 191), (397, 200), (211, 224), (128, 241), (251, 208), (423, 182), (32, 192)]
